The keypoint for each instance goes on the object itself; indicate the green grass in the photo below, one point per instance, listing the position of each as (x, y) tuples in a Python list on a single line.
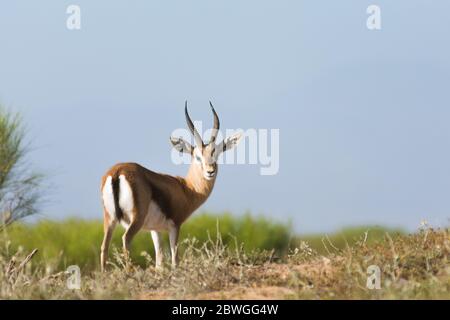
[(328, 243), (76, 241), (412, 266)]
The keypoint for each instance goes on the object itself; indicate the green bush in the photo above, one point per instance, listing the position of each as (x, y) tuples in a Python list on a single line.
[(338, 240), (76, 241)]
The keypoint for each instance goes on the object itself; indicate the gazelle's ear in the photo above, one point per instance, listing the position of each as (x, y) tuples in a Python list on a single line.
[(229, 142), (181, 145)]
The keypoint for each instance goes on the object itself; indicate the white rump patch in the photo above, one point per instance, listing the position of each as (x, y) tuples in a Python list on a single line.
[(108, 198), (126, 201)]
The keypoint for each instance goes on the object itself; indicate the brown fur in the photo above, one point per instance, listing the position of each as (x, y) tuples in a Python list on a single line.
[(177, 197)]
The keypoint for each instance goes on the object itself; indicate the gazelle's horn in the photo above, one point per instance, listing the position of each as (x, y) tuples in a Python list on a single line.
[(216, 127), (197, 137)]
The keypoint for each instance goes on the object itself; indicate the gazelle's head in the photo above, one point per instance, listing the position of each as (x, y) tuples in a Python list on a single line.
[(205, 155)]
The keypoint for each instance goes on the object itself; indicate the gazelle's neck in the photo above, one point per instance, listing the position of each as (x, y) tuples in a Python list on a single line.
[(199, 186)]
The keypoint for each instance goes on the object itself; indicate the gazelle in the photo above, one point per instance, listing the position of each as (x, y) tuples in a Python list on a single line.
[(139, 198)]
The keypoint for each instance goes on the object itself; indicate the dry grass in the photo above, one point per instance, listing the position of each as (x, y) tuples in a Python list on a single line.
[(413, 267)]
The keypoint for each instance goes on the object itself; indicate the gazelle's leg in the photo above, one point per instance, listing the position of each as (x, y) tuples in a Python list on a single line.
[(158, 249), (131, 210), (173, 238), (108, 228), (129, 234)]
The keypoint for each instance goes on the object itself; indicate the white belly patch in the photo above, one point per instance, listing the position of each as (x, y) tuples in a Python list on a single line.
[(155, 220)]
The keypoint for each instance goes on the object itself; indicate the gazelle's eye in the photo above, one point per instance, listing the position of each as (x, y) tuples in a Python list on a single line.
[(198, 159)]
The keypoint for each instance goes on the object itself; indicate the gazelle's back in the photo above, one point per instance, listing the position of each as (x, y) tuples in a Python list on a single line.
[(132, 193)]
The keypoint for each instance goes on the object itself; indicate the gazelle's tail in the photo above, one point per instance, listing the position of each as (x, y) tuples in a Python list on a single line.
[(115, 184)]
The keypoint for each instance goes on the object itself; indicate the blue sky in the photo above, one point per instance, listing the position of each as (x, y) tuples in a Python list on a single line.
[(363, 115)]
